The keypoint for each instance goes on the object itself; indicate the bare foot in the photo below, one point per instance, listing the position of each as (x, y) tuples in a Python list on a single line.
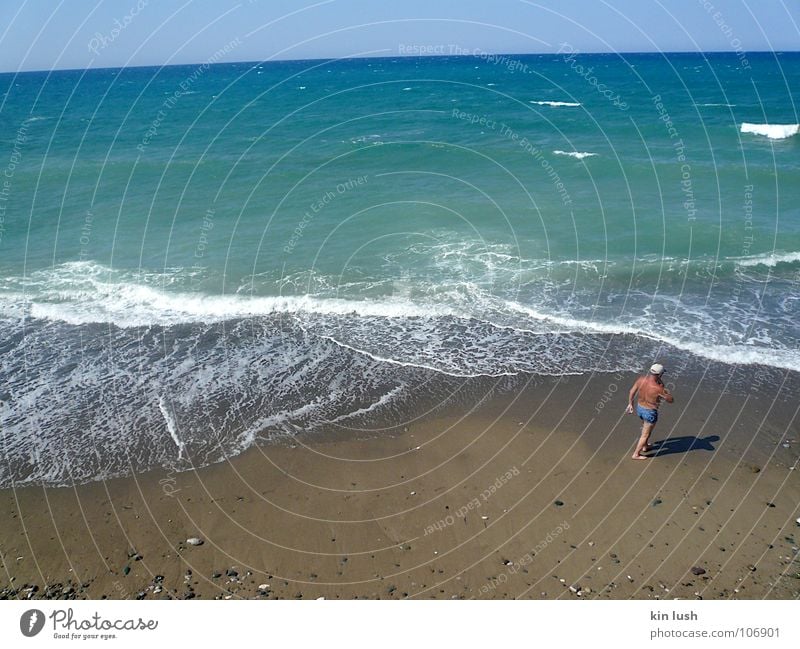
[(640, 457)]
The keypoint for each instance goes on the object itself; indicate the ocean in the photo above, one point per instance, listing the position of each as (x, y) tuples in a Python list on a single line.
[(196, 259)]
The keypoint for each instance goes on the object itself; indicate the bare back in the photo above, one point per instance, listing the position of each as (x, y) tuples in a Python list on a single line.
[(650, 392)]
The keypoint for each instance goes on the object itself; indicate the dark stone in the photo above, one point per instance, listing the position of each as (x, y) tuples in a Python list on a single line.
[(126, 570), (697, 571), (231, 572), (558, 503), (657, 501)]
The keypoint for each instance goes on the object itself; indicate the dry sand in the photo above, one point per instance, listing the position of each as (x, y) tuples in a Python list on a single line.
[(524, 495)]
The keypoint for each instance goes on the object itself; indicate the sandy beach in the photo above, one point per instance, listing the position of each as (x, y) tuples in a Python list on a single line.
[(527, 493)]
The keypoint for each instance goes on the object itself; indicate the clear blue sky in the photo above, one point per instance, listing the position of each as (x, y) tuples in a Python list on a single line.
[(46, 34)]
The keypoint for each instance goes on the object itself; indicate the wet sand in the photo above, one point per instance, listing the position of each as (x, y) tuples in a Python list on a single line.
[(529, 493)]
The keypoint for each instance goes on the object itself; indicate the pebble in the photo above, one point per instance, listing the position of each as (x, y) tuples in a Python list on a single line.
[(558, 503), (194, 541), (697, 571), (263, 587)]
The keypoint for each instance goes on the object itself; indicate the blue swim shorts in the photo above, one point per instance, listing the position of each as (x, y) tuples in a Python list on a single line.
[(646, 414)]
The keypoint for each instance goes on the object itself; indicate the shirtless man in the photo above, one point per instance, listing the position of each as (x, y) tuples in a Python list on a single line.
[(651, 391)]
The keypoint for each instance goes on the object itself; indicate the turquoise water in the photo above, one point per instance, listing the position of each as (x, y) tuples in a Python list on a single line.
[(265, 247)]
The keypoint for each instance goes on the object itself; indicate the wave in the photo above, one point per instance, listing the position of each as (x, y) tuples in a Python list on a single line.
[(556, 104), (580, 155), (772, 131), (726, 354), (84, 293), (770, 259)]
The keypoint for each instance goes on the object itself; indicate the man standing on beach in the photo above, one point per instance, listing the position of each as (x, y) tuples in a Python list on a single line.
[(651, 391)]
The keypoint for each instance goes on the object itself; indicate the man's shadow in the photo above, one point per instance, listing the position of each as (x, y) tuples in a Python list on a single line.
[(672, 445)]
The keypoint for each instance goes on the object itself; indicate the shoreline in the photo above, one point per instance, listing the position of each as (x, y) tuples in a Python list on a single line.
[(509, 489)]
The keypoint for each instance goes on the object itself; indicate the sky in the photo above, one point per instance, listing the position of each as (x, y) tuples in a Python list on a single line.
[(77, 34)]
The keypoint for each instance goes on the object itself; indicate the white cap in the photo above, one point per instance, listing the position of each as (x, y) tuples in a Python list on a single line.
[(657, 368)]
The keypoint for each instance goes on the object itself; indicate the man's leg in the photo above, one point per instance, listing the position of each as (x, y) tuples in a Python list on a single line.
[(641, 445)]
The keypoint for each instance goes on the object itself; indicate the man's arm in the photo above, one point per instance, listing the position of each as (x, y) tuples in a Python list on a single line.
[(666, 395), (631, 396)]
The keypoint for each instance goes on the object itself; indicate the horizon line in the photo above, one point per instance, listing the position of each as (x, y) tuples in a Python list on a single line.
[(483, 54)]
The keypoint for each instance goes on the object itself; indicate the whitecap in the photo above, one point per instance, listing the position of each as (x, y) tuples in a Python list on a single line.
[(556, 104), (772, 131), (580, 155), (770, 259)]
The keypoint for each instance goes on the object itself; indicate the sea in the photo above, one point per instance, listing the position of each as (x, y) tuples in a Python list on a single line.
[(195, 259)]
